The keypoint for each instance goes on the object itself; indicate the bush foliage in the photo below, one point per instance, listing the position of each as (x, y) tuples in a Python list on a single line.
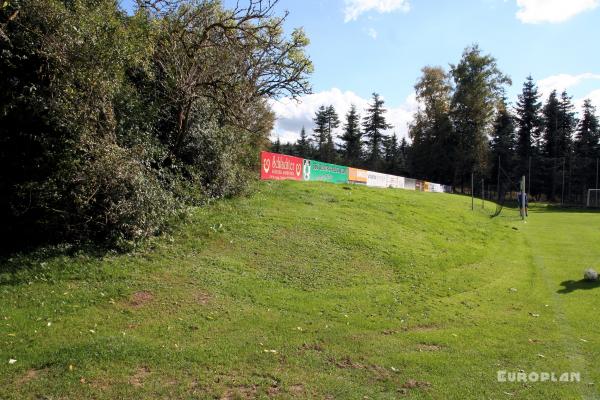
[(111, 123)]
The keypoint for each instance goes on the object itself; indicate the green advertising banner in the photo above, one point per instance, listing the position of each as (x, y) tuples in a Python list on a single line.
[(320, 171)]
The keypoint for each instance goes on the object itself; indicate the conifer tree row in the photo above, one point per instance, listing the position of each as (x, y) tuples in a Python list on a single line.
[(465, 124)]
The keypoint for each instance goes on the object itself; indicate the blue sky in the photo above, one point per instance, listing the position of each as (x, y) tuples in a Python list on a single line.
[(362, 46), (435, 33)]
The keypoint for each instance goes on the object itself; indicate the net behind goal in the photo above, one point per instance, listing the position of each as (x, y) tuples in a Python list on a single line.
[(593, 198)]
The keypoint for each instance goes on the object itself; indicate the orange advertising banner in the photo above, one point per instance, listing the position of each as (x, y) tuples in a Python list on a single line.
[(357, 175)]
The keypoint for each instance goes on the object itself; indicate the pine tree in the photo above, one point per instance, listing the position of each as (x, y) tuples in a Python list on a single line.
[(303, 147), (588, 132), (559, 125), (374, 125), (288, 148), (326, 120), (586, 148), (567, 126), (277, 145), (352, 138), (529, 123), (391, 151), (551, 132), (320, 133), (404, 158), (551, 115), (333, 122), (503, 141)]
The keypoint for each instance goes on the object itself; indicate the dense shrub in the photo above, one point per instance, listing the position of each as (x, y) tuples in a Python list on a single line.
[(110, 123)]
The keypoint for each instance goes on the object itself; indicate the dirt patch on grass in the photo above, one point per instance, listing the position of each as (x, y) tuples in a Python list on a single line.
[(312, 347), (30, 375), (203, 298), (241, 392), (139, 377), (413, 384), (421, 328), (296, 390), (347, 363), (273, 391), (414, 328), (139, 299), (101, 384), (428, 347)]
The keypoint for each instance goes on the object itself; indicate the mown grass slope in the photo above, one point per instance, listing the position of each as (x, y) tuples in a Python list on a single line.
[(311, 290)]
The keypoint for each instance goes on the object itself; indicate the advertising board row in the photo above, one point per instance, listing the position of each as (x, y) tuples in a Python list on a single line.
[(276, 166)]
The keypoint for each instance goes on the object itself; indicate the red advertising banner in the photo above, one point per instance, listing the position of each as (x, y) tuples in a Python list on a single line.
[(279, 166)]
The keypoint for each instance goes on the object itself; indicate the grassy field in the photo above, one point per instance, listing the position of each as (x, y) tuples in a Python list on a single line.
[(312, 290)]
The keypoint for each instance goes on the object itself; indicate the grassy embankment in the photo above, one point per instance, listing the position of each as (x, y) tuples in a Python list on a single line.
[(312, 290)]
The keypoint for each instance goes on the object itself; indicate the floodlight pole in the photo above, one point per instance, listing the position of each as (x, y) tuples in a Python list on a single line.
[(596, 182), (498, 184), (562, 192), (482, 193), (529, 177), (596, 174), (472, 194), (522, 199)]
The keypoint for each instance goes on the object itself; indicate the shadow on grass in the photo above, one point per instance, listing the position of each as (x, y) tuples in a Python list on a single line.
[(557, 208), (571, 286), (31, 264)]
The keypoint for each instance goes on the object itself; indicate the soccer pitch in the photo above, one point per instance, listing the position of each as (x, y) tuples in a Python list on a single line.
[(314, 290)]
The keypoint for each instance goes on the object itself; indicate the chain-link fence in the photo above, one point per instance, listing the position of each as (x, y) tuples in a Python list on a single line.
[(564, 180)]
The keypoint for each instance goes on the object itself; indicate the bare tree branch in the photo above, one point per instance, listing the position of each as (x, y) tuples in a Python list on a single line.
[(233, 57)]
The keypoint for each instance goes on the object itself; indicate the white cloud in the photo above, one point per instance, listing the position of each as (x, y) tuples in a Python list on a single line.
[(562, 82), (553, 11), (594, 96), (292, 115), (354, 8), (372, 33)]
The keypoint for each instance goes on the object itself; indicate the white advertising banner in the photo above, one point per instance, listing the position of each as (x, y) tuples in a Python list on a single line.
[(400, 182), (436, 187), (409, 183), (396, 182), (376, 179)]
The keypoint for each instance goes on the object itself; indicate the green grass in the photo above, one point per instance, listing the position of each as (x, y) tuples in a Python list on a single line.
[(312, 290)]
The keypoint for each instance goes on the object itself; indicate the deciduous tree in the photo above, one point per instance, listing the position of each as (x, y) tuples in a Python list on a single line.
[(478, 87)]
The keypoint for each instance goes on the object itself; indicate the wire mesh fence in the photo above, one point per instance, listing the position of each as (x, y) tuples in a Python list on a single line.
[(564, 180)]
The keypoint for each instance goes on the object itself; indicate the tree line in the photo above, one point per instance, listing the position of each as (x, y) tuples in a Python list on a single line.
[(113, 123), (463, 126), (548, 142), (361, 141)]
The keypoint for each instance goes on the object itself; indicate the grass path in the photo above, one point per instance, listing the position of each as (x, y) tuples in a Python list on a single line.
[(308, 290), (563, 244)]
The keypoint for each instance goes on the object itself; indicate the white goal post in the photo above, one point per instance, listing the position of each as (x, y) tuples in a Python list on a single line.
[(593, 198)]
